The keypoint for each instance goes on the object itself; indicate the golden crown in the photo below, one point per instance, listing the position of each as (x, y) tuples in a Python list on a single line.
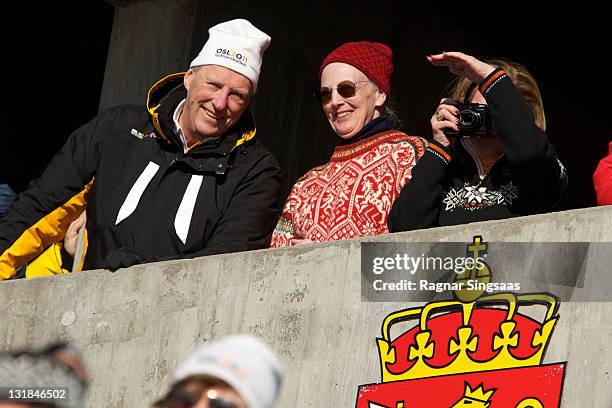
[(478, 393), (455, 337)]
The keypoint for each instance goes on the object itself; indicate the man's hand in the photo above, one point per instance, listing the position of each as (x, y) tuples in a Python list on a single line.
[(123, 258), (463, 65), (445, 118), (70, 239)]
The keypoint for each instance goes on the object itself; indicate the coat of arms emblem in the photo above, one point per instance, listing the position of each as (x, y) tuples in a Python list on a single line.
[(475, 350)]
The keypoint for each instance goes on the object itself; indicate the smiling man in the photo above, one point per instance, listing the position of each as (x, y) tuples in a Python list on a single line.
[(182, 178)]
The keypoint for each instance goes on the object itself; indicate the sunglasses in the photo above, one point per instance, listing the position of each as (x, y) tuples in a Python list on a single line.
[(178, 398), (346, 89)]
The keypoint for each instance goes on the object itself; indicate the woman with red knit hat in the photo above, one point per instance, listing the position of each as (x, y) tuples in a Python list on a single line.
[(352, 194)]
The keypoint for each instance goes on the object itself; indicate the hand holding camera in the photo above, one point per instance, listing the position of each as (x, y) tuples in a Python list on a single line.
[(453, 119), (445, 120)]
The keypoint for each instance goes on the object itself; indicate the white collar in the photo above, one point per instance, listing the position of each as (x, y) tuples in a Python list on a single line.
[(177, 126)]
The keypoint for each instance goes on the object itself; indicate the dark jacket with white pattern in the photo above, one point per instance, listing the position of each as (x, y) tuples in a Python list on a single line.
[(146, 193)]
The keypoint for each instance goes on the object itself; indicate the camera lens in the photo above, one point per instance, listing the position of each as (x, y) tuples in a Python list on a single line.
[(474, 120), (469, 120)]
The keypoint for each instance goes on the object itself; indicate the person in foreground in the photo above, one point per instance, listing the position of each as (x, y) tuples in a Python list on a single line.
[(234, 372), (52, 378), (179, 178), (488, 160), (352, 194)]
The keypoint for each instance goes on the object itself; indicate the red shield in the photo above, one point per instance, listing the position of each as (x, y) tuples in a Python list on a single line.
[(515, 387)]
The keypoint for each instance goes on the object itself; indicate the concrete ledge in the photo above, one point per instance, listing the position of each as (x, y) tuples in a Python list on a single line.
[(135, 325)]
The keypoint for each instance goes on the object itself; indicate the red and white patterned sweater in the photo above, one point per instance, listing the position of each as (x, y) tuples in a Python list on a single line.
[(352, 194)]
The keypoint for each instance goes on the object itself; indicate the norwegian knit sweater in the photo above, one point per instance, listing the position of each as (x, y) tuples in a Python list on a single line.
[(352, 194)]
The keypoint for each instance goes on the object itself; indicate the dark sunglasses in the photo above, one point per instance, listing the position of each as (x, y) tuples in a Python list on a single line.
[(346, 89), (178, 398)]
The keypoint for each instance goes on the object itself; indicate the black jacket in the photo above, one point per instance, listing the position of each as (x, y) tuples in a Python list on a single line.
[(446, 188), (146, 193)]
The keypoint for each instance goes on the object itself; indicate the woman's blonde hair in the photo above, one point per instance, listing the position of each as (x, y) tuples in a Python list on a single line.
[(522, 80)]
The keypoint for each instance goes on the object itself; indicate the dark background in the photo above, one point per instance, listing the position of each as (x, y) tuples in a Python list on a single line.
[(54, 59), (56, 56)]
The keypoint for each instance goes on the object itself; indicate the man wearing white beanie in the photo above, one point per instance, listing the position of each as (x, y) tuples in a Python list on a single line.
[(230, 59), (235, 372), (184, 177)]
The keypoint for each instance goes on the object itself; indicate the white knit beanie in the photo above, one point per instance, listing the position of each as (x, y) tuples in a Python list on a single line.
[(244, 362), (237, 45)]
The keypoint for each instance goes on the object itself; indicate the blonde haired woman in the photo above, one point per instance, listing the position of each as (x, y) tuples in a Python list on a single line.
[(507, 168)]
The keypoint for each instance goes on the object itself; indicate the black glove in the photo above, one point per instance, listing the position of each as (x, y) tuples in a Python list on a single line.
[(123, 258)]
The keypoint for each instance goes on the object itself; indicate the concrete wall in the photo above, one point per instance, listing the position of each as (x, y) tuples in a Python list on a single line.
[(135, 325)]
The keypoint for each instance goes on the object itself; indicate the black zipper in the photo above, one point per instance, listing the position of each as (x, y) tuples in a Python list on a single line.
[(177, 158)]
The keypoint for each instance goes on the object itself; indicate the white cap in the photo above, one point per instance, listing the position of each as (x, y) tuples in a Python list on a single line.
[(237, 45), (244, 362)]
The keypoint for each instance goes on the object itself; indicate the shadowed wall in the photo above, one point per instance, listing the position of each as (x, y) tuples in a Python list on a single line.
[(61, 57)]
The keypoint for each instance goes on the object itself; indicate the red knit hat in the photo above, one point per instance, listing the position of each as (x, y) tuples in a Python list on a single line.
[(374, 59)]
